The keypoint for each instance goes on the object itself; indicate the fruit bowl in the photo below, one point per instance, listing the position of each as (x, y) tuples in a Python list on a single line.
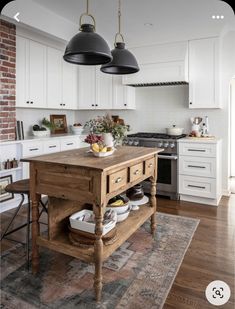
[(103, 154), (119, 209)]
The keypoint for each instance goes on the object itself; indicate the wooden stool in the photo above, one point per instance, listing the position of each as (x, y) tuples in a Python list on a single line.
[(21, 187)]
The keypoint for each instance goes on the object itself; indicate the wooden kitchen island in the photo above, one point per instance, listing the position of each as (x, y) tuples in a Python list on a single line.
[(72, 180)]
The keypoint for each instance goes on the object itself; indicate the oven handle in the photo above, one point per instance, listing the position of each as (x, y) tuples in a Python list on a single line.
[(168, 157)]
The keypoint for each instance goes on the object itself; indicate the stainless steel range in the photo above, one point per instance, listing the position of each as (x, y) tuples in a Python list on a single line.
[(167, 160)]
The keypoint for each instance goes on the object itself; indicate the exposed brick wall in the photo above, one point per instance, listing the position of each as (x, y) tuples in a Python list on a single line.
[(7, 80)]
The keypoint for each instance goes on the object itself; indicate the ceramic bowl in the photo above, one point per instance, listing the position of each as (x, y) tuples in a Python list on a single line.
[(41, 133), (120, 209), (77, 129), (121, 217)]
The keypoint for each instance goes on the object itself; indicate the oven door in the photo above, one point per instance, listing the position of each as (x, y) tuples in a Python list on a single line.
[(167, 173), (167, 176)]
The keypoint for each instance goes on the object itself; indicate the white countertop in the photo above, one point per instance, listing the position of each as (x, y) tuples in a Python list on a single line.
[(211, 140)]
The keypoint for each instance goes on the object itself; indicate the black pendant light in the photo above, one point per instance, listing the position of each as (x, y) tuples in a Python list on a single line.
[(124, 62), (87, 47)]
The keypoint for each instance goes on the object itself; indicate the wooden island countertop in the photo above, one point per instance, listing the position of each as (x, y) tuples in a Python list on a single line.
[(72, 179)]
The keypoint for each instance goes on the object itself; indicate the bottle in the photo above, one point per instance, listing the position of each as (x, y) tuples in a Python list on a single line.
[(207, 125), (204, 129)]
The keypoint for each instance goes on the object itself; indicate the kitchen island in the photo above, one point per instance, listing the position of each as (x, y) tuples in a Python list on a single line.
[(74, 179)]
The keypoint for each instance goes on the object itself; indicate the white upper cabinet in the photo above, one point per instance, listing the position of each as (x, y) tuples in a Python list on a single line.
[(86, 87), (54, 78), (30, 73), (103, 90), (37, 74), (203, 73), (70, 84), (43, 78), (123, 96)]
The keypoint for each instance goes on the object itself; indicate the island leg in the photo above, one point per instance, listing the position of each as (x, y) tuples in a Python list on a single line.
[(35, 218), (153, 203), (98, 251)]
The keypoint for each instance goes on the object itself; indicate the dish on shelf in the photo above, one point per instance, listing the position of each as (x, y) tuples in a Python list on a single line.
[(77, 129), (143, 201)]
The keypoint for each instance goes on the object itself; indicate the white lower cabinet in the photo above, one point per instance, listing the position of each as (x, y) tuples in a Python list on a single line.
[(49, 145), (199, 171)]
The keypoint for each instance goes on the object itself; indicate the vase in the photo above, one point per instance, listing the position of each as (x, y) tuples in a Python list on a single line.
[(108, 139)]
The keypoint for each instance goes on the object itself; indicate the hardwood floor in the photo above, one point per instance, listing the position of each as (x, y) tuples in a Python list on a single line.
[(210, 256)]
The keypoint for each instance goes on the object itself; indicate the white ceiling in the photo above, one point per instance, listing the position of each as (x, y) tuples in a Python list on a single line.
[(172, 20)]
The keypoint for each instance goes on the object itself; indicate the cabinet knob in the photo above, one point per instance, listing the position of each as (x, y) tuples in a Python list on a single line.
[(92, 105), (190, 103), (125, 104), (61, 104), (96, 104), (31, 102), (27, 102)]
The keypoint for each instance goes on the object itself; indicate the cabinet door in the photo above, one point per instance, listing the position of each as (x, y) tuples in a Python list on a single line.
[(37, 74), (22, 48), (86, 87), (69, 87), (123, 96), (203, 75), (103, 90), (54, 78)]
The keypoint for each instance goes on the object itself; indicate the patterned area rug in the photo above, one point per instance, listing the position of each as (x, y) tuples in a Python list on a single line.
[(138, 275)]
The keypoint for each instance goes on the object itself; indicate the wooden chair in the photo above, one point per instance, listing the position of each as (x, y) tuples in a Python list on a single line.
[(21, 187)]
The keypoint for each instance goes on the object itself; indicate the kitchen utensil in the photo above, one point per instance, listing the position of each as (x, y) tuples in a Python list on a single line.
[(174, 130)]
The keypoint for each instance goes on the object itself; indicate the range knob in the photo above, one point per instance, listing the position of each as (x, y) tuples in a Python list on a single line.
[(136, 143), (166, 145), (160, 144), (130, 142), (172, 145)]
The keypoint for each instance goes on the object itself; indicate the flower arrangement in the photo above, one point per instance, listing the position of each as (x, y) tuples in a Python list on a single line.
[(105, 124)]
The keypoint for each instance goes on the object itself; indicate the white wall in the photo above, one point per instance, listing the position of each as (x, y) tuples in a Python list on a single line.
[(31, 116)]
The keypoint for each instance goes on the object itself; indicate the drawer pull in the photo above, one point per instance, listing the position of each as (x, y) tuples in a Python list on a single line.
[(199, 187), (197, 150), (150, 165), (69, 144), (196, 166), (119, 179), (33, 149), (52, 146), (136, 172)]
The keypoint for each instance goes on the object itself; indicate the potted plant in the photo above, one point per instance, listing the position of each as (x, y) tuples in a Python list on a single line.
[(111, 132)]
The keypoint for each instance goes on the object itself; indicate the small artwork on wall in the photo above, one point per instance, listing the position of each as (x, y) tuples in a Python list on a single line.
[(4, 195), (59, 124)]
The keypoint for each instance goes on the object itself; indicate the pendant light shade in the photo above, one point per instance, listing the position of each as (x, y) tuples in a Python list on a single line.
[(124, 62), (87, 47)]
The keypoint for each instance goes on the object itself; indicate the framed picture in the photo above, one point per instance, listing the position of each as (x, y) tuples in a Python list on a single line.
[(59, 124), (4, 181)]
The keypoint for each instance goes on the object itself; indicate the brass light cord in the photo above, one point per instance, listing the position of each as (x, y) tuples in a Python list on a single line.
[(87, 14), (119, 25)]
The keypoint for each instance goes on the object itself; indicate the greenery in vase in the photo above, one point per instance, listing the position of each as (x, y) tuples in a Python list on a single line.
[(48, 124), (105, 124)]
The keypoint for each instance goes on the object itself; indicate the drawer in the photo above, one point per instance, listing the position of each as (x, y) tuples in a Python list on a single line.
[(197, 166), (197, 149), (197, 186), (51, 146), (32, 149), (149, 166), (136, 171), (68, 144), (117, 180)]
